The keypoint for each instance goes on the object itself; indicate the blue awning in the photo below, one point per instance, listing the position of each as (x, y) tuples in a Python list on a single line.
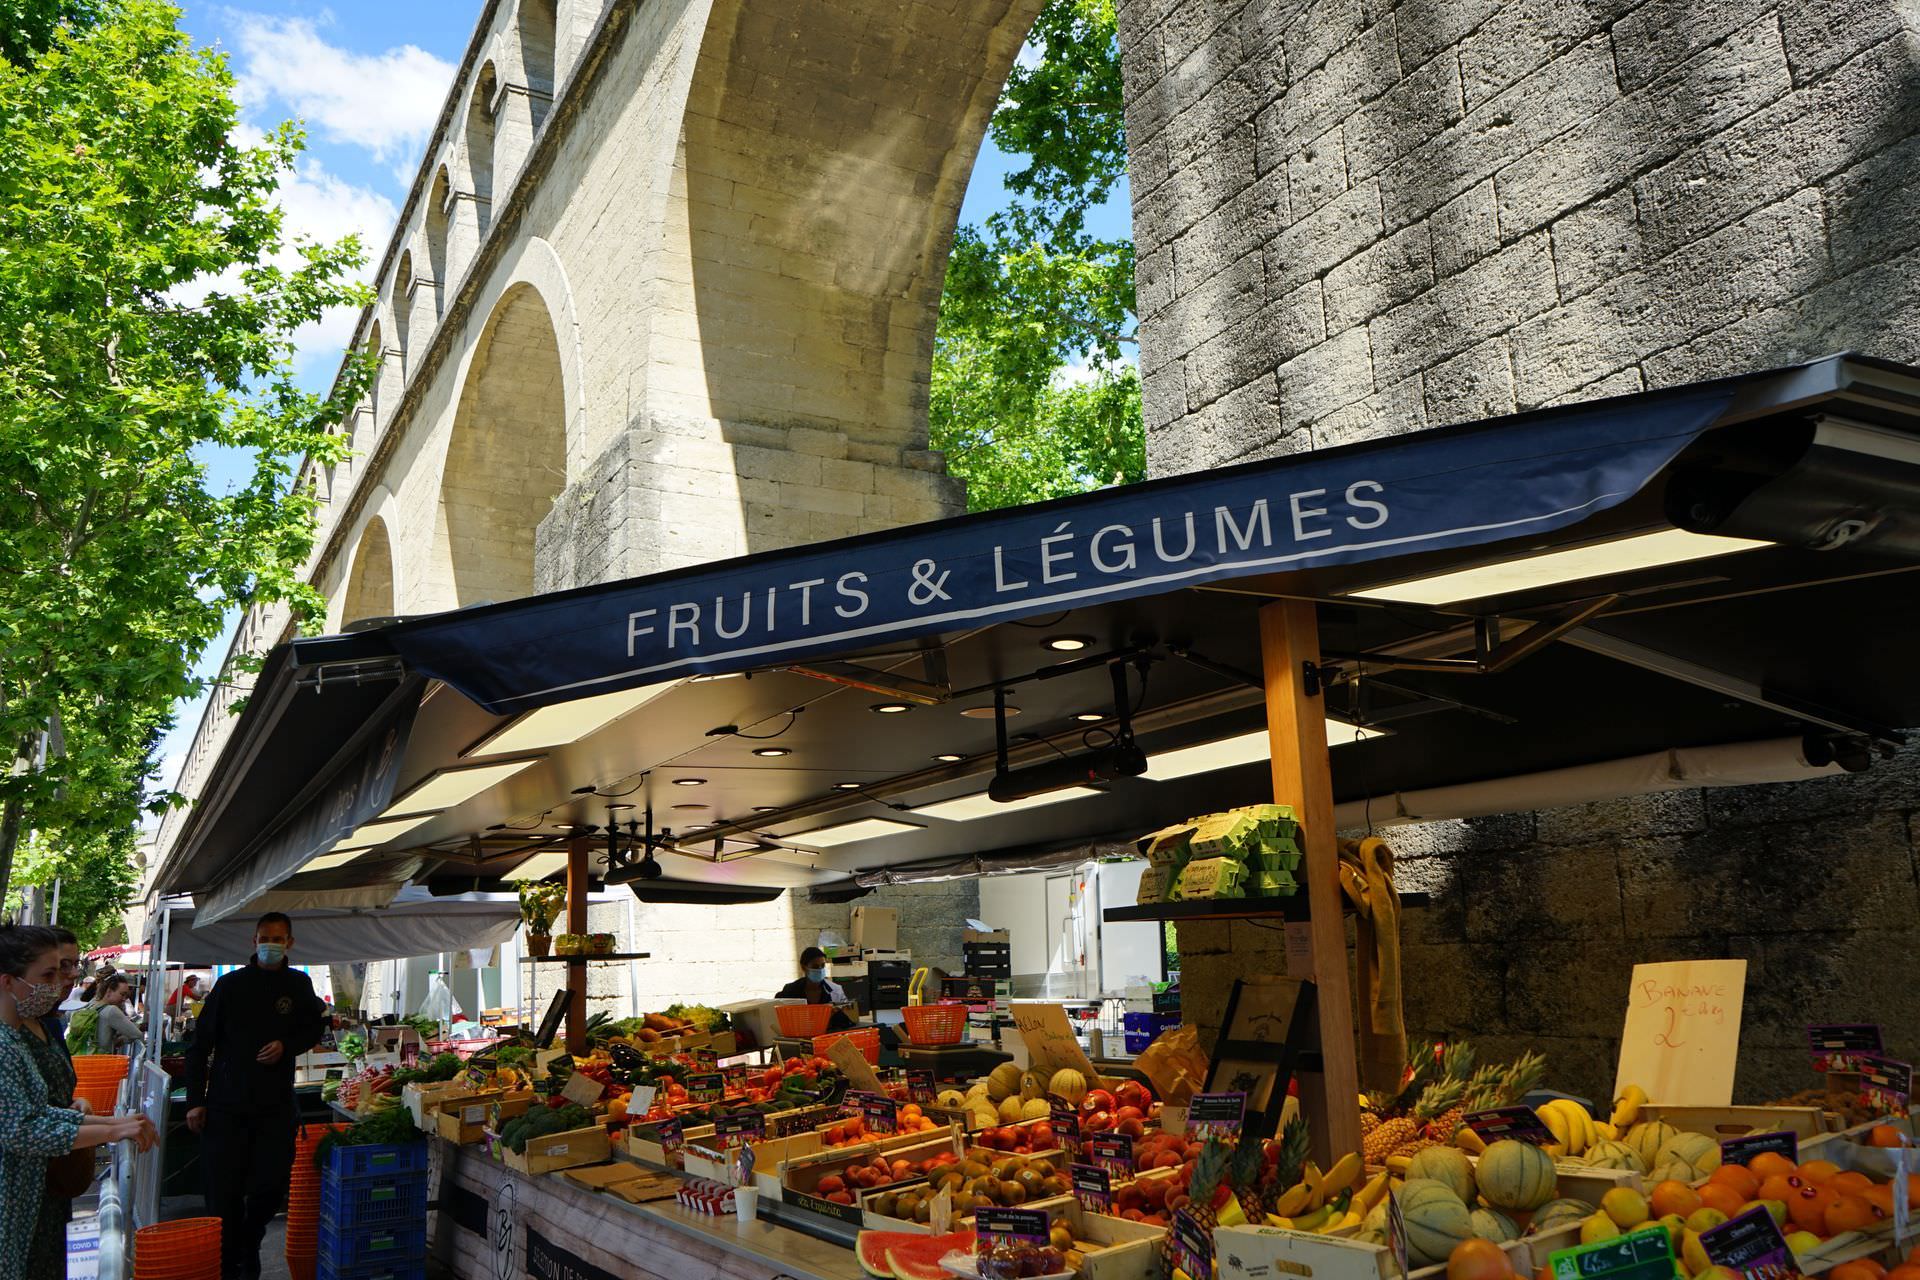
[(1436, 490)]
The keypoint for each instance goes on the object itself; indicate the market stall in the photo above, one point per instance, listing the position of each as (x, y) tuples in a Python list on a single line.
[(986, 692)]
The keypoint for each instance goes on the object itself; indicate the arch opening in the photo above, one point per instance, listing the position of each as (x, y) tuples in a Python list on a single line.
[(370, 584), (537, 24), (479, 145), (507, 458), (401, 299), (437, 237), (378, 354)]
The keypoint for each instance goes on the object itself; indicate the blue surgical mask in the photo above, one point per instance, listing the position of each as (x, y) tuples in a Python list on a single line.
[(816, 975), (270, 953)]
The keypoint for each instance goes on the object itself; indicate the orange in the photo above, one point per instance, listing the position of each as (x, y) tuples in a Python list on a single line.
[(1851, 1182), (1769, 1164), (1675, 1198), (1475, 1259), (1781, 1187), (1859, 1269), (1819, 1172), (1808, 1209), (1718, 1195), (1884, 1135), (1849, 1213), (1905, 1271), (1880, 1196), (1739, 1177)]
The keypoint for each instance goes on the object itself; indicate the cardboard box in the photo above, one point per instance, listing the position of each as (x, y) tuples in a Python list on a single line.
[(875, 928), (555, 1151), (985, 935)]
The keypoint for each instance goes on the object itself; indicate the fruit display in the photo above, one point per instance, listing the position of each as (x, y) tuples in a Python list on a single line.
[(881, 1170), (1019, 1139), (974, 1184), (1443, 1084), (908, 1255)]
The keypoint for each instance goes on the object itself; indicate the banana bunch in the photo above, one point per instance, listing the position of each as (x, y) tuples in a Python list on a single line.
[(1626, 1107), (1325, 1202), (1573, 1129)]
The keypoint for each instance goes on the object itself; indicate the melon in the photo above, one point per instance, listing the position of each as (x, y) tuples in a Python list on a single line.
[(1032, 1085), (1648, 1137), (1448, 1165), (1035, 1109), (1695, 1153), (1557, 1213), (1615, 1155), (1491, 1224), (1437, 1220), (983, 1116), (1516, 1175), (1068, 1085), (1010, 1108), (1004, 1082), (951, 1098)]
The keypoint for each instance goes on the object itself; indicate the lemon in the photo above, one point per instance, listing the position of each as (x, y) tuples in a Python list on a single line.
[(1627, 1207), (1597, 1228)]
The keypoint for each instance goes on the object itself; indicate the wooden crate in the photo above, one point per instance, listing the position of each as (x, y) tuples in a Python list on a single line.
[(1849, 1150), (1737, 1122), (423, 1099), (768, 1153), (555, 1151)]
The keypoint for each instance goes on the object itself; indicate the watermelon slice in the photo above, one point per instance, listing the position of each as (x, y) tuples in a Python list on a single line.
[(919, 1258), (871, 1249)]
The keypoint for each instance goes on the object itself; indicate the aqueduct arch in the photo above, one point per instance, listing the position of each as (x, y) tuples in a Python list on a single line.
[(370, 587)]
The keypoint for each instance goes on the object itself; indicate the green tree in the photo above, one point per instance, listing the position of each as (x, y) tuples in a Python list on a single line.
[(148, 299), (1031, 293)]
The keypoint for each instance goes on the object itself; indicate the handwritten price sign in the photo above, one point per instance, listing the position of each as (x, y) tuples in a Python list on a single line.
[(1682, 1032)]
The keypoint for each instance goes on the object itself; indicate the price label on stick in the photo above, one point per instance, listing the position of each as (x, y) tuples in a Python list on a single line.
[(1093, 1188), (1836, 1047), (920, 1085), (641, 1100), (1397, 1234), (582, 1090), (738, 1127), (1112, 1152), (1216, 1115), (881, 1114), (1643, 1255), (1192, 1245), (1518, 1123), (672, 1137), (1885, 1084), (710, 1087), (1743, 1150), (1750, 1244), (1065, 1119)]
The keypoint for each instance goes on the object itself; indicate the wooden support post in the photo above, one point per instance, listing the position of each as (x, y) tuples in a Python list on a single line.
[(577, 890), (1303, 778)]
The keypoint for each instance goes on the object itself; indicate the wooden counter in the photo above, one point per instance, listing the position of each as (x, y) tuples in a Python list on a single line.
[(490, 1219)]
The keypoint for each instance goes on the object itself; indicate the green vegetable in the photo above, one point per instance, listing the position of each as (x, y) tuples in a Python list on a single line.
[(541, 1121), (391, 1125), (353, 1045)]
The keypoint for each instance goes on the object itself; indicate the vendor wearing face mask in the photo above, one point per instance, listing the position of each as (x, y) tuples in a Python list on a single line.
[(813, 985), (256, 1022)]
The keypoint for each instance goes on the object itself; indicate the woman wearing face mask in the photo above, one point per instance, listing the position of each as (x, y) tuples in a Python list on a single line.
[(32, 1127), (813, 985)]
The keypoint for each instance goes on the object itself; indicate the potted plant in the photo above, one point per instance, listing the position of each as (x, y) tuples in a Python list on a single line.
[(540, 902)]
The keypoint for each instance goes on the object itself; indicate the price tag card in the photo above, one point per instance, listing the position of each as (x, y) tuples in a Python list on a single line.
[(1750, 1244), (1215, 1115), (920, 1084), (881, 1114), (1192, 1244), (1903, 1162), (582, 1090), (1836, 1047), (1093, 1187), (1065, 1119), (1743, 1150), (738, 1127), (672, 1135), (1112, 1152), (1884, 1083), (474, 1113), (1518, 1123), (710, 1087), (1644, 1255), (854, 1102), (640, 1101), (1009, 1233), (1397, 1234), (477, 1074), (704, 1059)]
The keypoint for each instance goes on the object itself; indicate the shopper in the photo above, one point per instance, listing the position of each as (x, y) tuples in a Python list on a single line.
[(181, 1001), (256, 1022), (69, 978), (33, 1128), (102, 1025)]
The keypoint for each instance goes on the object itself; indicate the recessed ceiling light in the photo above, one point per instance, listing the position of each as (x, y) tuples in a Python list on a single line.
[(689, 782), (1243, 748), (848, 786), (538, 867), (772, 753), (691, 806), (619, 806), (565, 722), (766, 808), (891, 708), (376, 833), (1090, 717), (1067, 644), (949, 757), (986, 712), (721, 675), (449, 787), (327, 861), (848, 832), (980, 805), (1624, 555)]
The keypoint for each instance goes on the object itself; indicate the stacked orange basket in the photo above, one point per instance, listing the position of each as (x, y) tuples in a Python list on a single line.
[(865, 1039), (188, 1249), (935, 1023), (97, 1078), (303, 1203), (802, 1021)]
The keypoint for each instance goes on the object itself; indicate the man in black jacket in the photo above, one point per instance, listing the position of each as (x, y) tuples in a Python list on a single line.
[(254, 1025)]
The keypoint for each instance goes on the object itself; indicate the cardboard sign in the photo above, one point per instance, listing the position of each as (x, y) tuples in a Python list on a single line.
[(1836, 1047), (854, 1066), (1112, 1152), (1644, 1255), (640, 1101), (1518, 1123), (1681, 1038), (1065, 1118), (881, 1114), (1743, 1150), (1886, 1084), (920, 1086), (737, 1127), (1216, 1115), (582, 1090), (1050, 1042), (1751, 1244), (1093, 1188), (710, 1087), (1192, 1244)]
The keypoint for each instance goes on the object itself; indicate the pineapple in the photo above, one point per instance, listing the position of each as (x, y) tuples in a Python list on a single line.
[(1291, 1159), (1482, 1090), (1245, 1172), (1208, 1171), (1522, 1077), (1369, 1121)]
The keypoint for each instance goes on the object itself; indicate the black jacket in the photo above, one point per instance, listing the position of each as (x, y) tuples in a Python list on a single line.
[(247, 1010)]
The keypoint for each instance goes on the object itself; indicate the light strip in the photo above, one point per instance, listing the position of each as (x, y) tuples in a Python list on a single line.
[(565, 722), (980, 805), (328, 861), (1625, 555), (377, 833), (450, 787), (848, 832), (538, 867), (1245, 748)]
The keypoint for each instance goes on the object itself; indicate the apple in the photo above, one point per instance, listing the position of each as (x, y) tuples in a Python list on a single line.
[(1097, 1122), (1097, 1100), (1132, 1127)]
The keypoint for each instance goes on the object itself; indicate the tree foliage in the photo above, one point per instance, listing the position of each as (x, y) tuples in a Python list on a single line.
[(1033, 396), (148, 300)]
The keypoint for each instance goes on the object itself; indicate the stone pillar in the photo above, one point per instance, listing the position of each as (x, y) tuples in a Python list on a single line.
[(517, 114)]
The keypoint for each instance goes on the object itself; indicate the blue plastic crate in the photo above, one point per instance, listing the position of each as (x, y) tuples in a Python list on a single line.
[(1149, 1023), (1137, 1041), (374, 1201), (411, 1269), (394, 1244), (361, 1162)]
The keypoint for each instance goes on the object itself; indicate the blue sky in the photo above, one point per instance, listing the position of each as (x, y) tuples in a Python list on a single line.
[(367, 81)]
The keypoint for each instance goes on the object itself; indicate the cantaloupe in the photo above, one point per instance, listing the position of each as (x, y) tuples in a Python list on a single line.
[(1687, 1157), (1032, 1085), (950, 1098), (983, 1116), (1615, 1155), (1556, 1213), (1448, 1165), (1035, 1109), (1437, 1220), (1516, 1175), (1648, 1137), (1491, 1224), (1003, 1082), (1068, 1085), (1010, 1110)]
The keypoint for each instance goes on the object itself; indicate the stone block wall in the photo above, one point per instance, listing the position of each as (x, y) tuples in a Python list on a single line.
[(1362, 217)]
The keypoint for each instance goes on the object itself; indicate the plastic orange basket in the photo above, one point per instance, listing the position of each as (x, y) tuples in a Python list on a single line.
[(865, 1039), (186, 1249), (102, 1096), (935, 1023), (101, 1066), (801, 1021)]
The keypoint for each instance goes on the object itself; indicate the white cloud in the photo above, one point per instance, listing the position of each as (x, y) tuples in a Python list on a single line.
[(321, 206), (386, 102), (1081, 370)]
